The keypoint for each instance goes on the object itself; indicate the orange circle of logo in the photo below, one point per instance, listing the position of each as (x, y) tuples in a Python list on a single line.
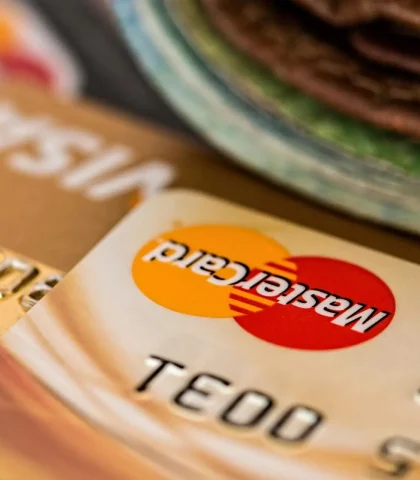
[(184, 270)]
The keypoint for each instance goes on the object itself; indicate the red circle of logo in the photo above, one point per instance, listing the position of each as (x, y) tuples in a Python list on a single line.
[(328, 304)]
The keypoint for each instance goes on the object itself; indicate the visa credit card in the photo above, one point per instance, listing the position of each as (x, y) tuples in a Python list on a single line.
[(236, 345), (70, 170)]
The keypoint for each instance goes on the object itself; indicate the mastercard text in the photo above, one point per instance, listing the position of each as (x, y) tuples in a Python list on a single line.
[(223, 272)]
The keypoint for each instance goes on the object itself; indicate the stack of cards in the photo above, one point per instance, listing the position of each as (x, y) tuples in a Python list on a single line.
[(199, 339)]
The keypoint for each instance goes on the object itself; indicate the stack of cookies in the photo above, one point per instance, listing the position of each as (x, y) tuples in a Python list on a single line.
[(360, 57)]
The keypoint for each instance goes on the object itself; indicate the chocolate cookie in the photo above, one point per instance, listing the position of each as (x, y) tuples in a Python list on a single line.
[(351, 12), (389, 46), (391, 36), (305, 52)]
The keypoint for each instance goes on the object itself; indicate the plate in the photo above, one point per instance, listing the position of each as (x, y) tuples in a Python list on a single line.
[(276, 147)]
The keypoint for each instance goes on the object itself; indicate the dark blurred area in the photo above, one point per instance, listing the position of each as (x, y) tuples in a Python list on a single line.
[(111, 75)]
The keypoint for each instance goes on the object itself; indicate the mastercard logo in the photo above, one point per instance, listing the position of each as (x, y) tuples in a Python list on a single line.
[(236, 274)]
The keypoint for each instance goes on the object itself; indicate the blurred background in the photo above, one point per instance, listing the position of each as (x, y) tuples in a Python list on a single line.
[(94, 48), (320, 102)]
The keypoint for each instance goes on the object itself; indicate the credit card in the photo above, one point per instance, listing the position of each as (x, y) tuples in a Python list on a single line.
[(40, 437), (237, 343), (23, 283), (69, 171), (30, 50)]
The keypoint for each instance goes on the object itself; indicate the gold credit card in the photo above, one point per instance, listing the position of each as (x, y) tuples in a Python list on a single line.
[(69, 171), (41, 438), (236, 345), (23, 283)]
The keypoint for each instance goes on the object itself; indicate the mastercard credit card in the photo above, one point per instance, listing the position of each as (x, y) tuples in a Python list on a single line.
[(235, 345), (42, 439)]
